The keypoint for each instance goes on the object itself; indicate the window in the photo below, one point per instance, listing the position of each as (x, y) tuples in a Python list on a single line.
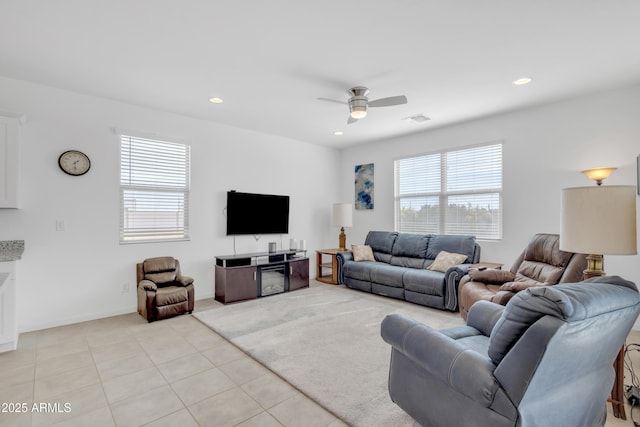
[(451, 192), (154, 190)]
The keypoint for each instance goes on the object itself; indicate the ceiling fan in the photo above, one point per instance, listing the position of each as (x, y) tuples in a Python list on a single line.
[(358, 102)]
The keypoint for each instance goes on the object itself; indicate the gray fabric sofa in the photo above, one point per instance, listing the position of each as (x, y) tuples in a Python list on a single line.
[(400, 267), (546, 359)]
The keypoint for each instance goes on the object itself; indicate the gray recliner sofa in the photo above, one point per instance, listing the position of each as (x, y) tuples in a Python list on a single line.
[(400, 267), (546, 359)]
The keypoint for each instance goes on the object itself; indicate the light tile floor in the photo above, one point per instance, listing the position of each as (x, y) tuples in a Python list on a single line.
[(123, 371)]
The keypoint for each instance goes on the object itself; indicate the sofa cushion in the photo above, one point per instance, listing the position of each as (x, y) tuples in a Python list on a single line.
[(386, 274), (358, 270), (411, 245), (170, 295), (545, 249), (446, 260), (160, 270), (540, 272), (362, 253), (381, 241), (458, 244), (424, 281), (405, 261)]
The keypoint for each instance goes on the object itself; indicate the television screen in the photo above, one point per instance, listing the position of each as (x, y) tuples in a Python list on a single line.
[(249, 213)]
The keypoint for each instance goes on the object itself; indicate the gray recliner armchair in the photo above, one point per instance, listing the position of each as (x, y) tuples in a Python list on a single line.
[(546, 359)]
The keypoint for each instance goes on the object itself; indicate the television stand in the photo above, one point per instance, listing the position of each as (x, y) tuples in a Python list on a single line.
[(248, 276)]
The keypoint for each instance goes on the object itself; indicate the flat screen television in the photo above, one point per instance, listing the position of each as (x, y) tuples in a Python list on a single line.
[(252, 214)]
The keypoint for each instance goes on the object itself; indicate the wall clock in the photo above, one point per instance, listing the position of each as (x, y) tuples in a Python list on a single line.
[(74, 162)]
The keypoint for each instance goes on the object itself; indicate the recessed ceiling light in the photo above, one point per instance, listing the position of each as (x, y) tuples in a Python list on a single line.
[(338, 133), (216, 100), (522, 81)]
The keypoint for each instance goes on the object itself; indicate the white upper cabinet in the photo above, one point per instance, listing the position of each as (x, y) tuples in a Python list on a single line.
[(9, 161)]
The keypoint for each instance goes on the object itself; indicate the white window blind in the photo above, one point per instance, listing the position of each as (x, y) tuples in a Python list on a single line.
[(451, 192), (154, 190)]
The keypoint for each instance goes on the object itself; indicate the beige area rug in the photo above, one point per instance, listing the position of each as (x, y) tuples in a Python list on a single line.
[(325, 340)]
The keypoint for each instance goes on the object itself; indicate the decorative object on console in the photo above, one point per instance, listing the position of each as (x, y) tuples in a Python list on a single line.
[(598, 220), (364, 186), (342, 216)]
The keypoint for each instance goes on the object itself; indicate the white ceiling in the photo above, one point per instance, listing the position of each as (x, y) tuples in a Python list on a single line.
[(270, 60)]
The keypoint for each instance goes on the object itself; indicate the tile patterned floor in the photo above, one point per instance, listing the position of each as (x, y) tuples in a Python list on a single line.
[(123, 371)]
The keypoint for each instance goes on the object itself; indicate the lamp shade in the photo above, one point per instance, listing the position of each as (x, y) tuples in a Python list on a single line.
[(342, 215), (599, 220)]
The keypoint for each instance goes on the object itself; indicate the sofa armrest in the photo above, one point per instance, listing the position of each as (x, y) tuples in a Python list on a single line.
[(492, 276), (466, 371), (342, 257), (148, 285), (452, 278), (484, 315), (184, 280), (503, 297)]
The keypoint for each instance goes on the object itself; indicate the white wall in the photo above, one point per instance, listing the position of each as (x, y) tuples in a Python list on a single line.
[(78, 274), (545, 148)]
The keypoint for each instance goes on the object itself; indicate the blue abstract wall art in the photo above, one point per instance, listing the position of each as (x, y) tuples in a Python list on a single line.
[(364, 186)]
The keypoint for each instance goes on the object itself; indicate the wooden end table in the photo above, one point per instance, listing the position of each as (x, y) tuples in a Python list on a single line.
[(330, 277)]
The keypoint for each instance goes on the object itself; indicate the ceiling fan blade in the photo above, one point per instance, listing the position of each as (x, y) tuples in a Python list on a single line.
[(351, 120), (332, 100), (387, 102)]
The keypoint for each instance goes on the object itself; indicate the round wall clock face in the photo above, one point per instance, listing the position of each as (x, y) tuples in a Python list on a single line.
[(74, 162)]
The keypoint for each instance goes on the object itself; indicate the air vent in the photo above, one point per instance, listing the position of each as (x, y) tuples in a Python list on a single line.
[(417, 118)]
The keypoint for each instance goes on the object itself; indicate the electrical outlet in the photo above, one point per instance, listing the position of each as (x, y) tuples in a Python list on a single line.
[(60, 225), (633, 395), (125, 288)]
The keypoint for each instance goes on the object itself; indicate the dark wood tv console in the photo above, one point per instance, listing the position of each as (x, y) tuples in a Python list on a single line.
[(249, 276)]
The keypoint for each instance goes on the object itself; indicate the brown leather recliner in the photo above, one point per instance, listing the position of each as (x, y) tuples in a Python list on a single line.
[(162, 289), (541, 263)]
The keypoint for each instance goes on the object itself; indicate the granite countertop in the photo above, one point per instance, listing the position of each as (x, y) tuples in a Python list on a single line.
[(11, 250)]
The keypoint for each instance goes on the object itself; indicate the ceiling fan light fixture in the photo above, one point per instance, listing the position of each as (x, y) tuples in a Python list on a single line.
[(359, 112), (358, 107)]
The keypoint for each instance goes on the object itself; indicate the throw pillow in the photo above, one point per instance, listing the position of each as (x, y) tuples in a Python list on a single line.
[(362, 253), (445, 259)]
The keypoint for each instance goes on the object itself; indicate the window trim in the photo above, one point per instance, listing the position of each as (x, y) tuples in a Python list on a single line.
[(122, 187), (443, 194)]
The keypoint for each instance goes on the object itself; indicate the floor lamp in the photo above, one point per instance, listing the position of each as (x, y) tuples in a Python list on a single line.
[(342, 216), (601, 221)]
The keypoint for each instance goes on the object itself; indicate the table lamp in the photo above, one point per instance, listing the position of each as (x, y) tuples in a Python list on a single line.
[(342, 216), (599, 221)]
